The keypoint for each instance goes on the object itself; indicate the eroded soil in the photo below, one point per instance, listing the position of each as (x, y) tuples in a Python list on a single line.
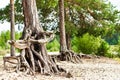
[(89, 69)]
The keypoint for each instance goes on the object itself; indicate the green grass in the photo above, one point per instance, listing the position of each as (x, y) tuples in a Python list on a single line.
[(117, 59), (3, 52)]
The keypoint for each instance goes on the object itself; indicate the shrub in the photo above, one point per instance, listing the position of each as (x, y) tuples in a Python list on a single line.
[(118, 55), (103, 49), (109, 55), (87, 44), (53, 45), (5, 36)]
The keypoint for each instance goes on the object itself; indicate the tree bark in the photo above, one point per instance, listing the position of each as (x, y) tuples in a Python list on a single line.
[(34, 55), (68, 41), (63, 46), (12, 35), (66, 55)]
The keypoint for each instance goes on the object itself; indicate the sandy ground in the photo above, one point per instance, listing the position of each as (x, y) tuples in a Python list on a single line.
[(90, 69)]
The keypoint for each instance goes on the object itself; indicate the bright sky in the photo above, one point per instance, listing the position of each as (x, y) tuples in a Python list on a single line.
[(6, 25), (116, 3), (3, 3)]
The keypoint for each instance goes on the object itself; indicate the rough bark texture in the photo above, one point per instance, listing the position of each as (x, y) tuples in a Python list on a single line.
[(66, 54), (63, 46), (33, 54), (68, 41), (12, 35)]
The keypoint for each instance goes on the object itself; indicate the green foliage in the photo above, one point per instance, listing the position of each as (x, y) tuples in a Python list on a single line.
[(103, 49), (94, 17), (70, 28), (83, 15), (118, 48), (18, 35), (53, 45), (109, 55), (87, 44), (113, 51), (5, 12), (5, 36)]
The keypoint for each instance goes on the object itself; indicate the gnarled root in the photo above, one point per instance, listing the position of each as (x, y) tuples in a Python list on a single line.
[(70, 56)]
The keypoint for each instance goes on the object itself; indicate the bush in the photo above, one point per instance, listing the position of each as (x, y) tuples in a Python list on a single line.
[(5, 36), (118, 55), (88, 44), (109, 55), (103, 49), (53, 45)]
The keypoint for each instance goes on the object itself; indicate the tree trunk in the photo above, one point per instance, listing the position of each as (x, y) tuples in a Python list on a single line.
[(66, 55), (68, 41), (34, 56), (12, 35), (63, 46)]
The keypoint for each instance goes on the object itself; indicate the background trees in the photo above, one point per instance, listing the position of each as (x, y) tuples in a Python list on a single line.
[(97, 18)]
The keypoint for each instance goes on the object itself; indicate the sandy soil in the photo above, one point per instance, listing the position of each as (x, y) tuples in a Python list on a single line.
[(90, 69)]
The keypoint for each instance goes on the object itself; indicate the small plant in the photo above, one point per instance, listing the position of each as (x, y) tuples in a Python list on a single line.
[(103, 49), (53, 45)]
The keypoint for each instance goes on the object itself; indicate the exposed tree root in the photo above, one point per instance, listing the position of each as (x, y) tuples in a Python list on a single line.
[(70, 56), (34, 57)]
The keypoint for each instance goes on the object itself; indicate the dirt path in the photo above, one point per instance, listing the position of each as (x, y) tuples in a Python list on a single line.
[(90, 69)]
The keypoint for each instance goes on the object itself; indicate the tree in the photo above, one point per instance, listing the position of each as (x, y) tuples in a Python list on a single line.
[(97, 18), (12, 51), (32, 44), (63, 46), (65, 53), (82, 16)]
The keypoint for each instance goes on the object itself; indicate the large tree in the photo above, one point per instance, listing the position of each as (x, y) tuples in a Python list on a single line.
[(97, 18), (82, 16), (12, 20), (33, 42), (63, 46), (65, 53)]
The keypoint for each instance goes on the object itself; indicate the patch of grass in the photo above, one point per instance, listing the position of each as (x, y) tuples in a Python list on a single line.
[(117, 59), (3, 52)]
